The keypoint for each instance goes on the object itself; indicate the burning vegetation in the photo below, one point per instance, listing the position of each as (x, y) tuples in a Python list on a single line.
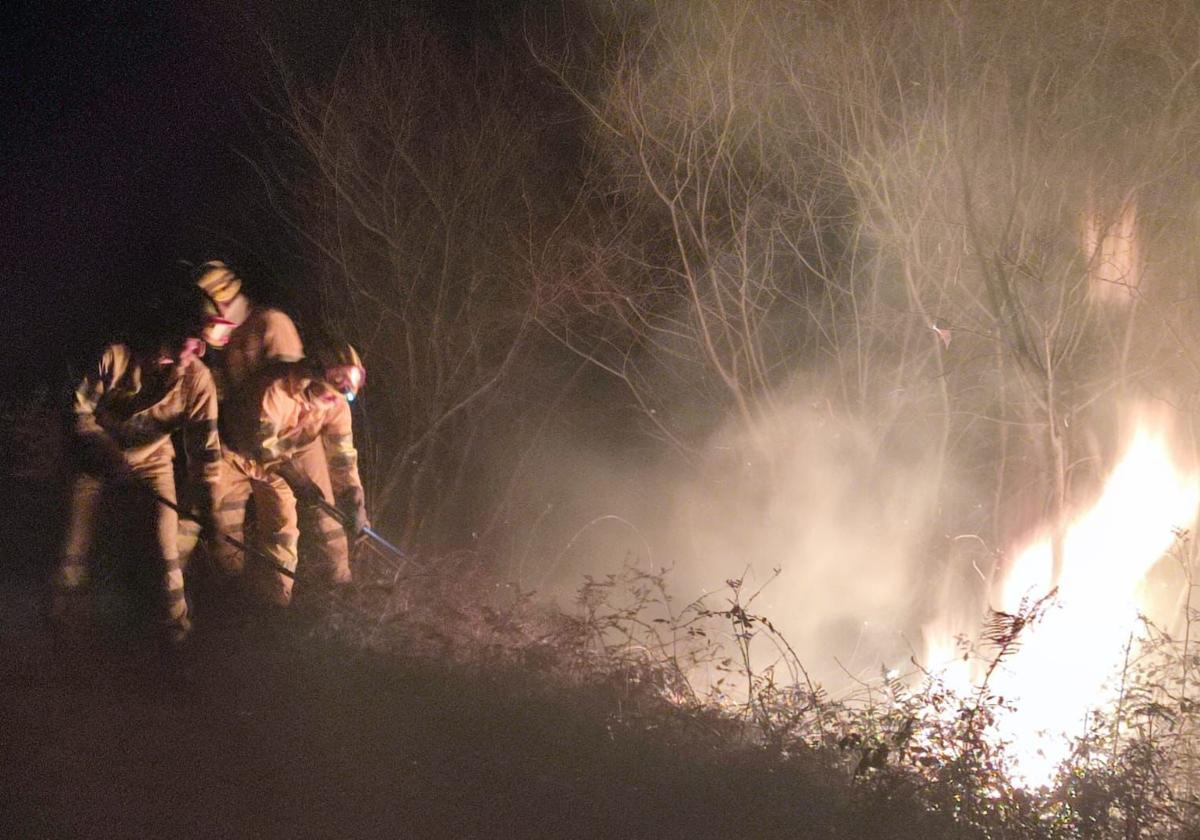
[(883, 313), (863, 293)]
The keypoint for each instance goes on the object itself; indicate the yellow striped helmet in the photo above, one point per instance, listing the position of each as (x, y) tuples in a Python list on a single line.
[(219, 285), (218, 281)]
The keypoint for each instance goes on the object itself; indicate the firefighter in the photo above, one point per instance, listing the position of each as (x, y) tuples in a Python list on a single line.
[(125, 410), (246, 335), (291, 440)]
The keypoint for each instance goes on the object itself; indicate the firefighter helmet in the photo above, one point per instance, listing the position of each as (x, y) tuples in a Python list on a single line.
[(220, 286), (340, 365), (218, 281)]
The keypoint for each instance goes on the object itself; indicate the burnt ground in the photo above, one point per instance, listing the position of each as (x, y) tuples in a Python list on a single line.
[(266, 732)]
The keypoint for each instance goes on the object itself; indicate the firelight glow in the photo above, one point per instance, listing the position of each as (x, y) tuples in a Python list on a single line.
[(1064, 664)]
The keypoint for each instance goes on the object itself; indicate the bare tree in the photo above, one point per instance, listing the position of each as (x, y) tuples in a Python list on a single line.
[(980, 142), (698, 257), (908, 212), (405, 182), (922, 202)]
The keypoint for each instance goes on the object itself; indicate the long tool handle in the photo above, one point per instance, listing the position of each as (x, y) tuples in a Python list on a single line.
[(347, 521), (306, 490), (233, 541), (380, 541)]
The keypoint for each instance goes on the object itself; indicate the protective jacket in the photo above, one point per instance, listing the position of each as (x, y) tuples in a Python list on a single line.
[(138, 411), (290, 419), (267, 335)]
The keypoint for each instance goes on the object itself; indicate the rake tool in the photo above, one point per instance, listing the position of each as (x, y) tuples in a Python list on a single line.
[(306, 490), (314, 496), (248, 550)]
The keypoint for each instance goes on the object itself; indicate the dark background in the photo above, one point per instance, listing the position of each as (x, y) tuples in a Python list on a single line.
[(119, 121), (126, 130)]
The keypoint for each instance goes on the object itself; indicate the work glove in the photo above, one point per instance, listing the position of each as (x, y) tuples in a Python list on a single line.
[(119, 472), (353, 504), (304, 488)]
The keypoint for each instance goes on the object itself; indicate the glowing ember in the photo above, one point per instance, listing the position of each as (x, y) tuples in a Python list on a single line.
[(1064, 661)]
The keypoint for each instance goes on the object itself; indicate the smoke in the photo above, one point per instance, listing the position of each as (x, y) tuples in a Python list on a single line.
[(810, 284), (843, 522), (807, 492)]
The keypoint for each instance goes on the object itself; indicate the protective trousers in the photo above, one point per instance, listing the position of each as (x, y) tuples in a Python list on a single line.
[(278, 522), (276, 528), (139, 508), (322, 534)]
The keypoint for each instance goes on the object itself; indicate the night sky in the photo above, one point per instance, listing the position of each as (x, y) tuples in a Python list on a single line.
[(117, 124), (124, 129)]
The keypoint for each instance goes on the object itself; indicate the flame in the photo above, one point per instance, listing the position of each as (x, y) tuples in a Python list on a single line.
[(1064, 664)]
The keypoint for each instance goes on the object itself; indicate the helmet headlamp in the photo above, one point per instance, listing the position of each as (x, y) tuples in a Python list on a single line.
[(346, 379)]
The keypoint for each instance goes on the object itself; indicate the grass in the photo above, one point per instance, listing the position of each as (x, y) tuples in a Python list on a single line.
[(692, 674), (632, 713)]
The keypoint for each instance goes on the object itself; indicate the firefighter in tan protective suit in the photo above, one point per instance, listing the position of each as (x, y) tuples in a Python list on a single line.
[(126, 408), (291, 439), (245, 335)]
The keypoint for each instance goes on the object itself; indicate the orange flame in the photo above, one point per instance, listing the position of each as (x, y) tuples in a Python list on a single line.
[(1064, 664)]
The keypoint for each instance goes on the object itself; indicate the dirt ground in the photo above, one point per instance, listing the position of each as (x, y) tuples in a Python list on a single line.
[(262, 732)]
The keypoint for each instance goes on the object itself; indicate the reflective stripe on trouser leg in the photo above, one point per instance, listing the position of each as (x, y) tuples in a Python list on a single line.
[(71, 573), (81, 528), (160, 476), (335, 550), (233, 489), (275, 508), (174, 601), (324, 533), (326, 538), (187, 539)]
